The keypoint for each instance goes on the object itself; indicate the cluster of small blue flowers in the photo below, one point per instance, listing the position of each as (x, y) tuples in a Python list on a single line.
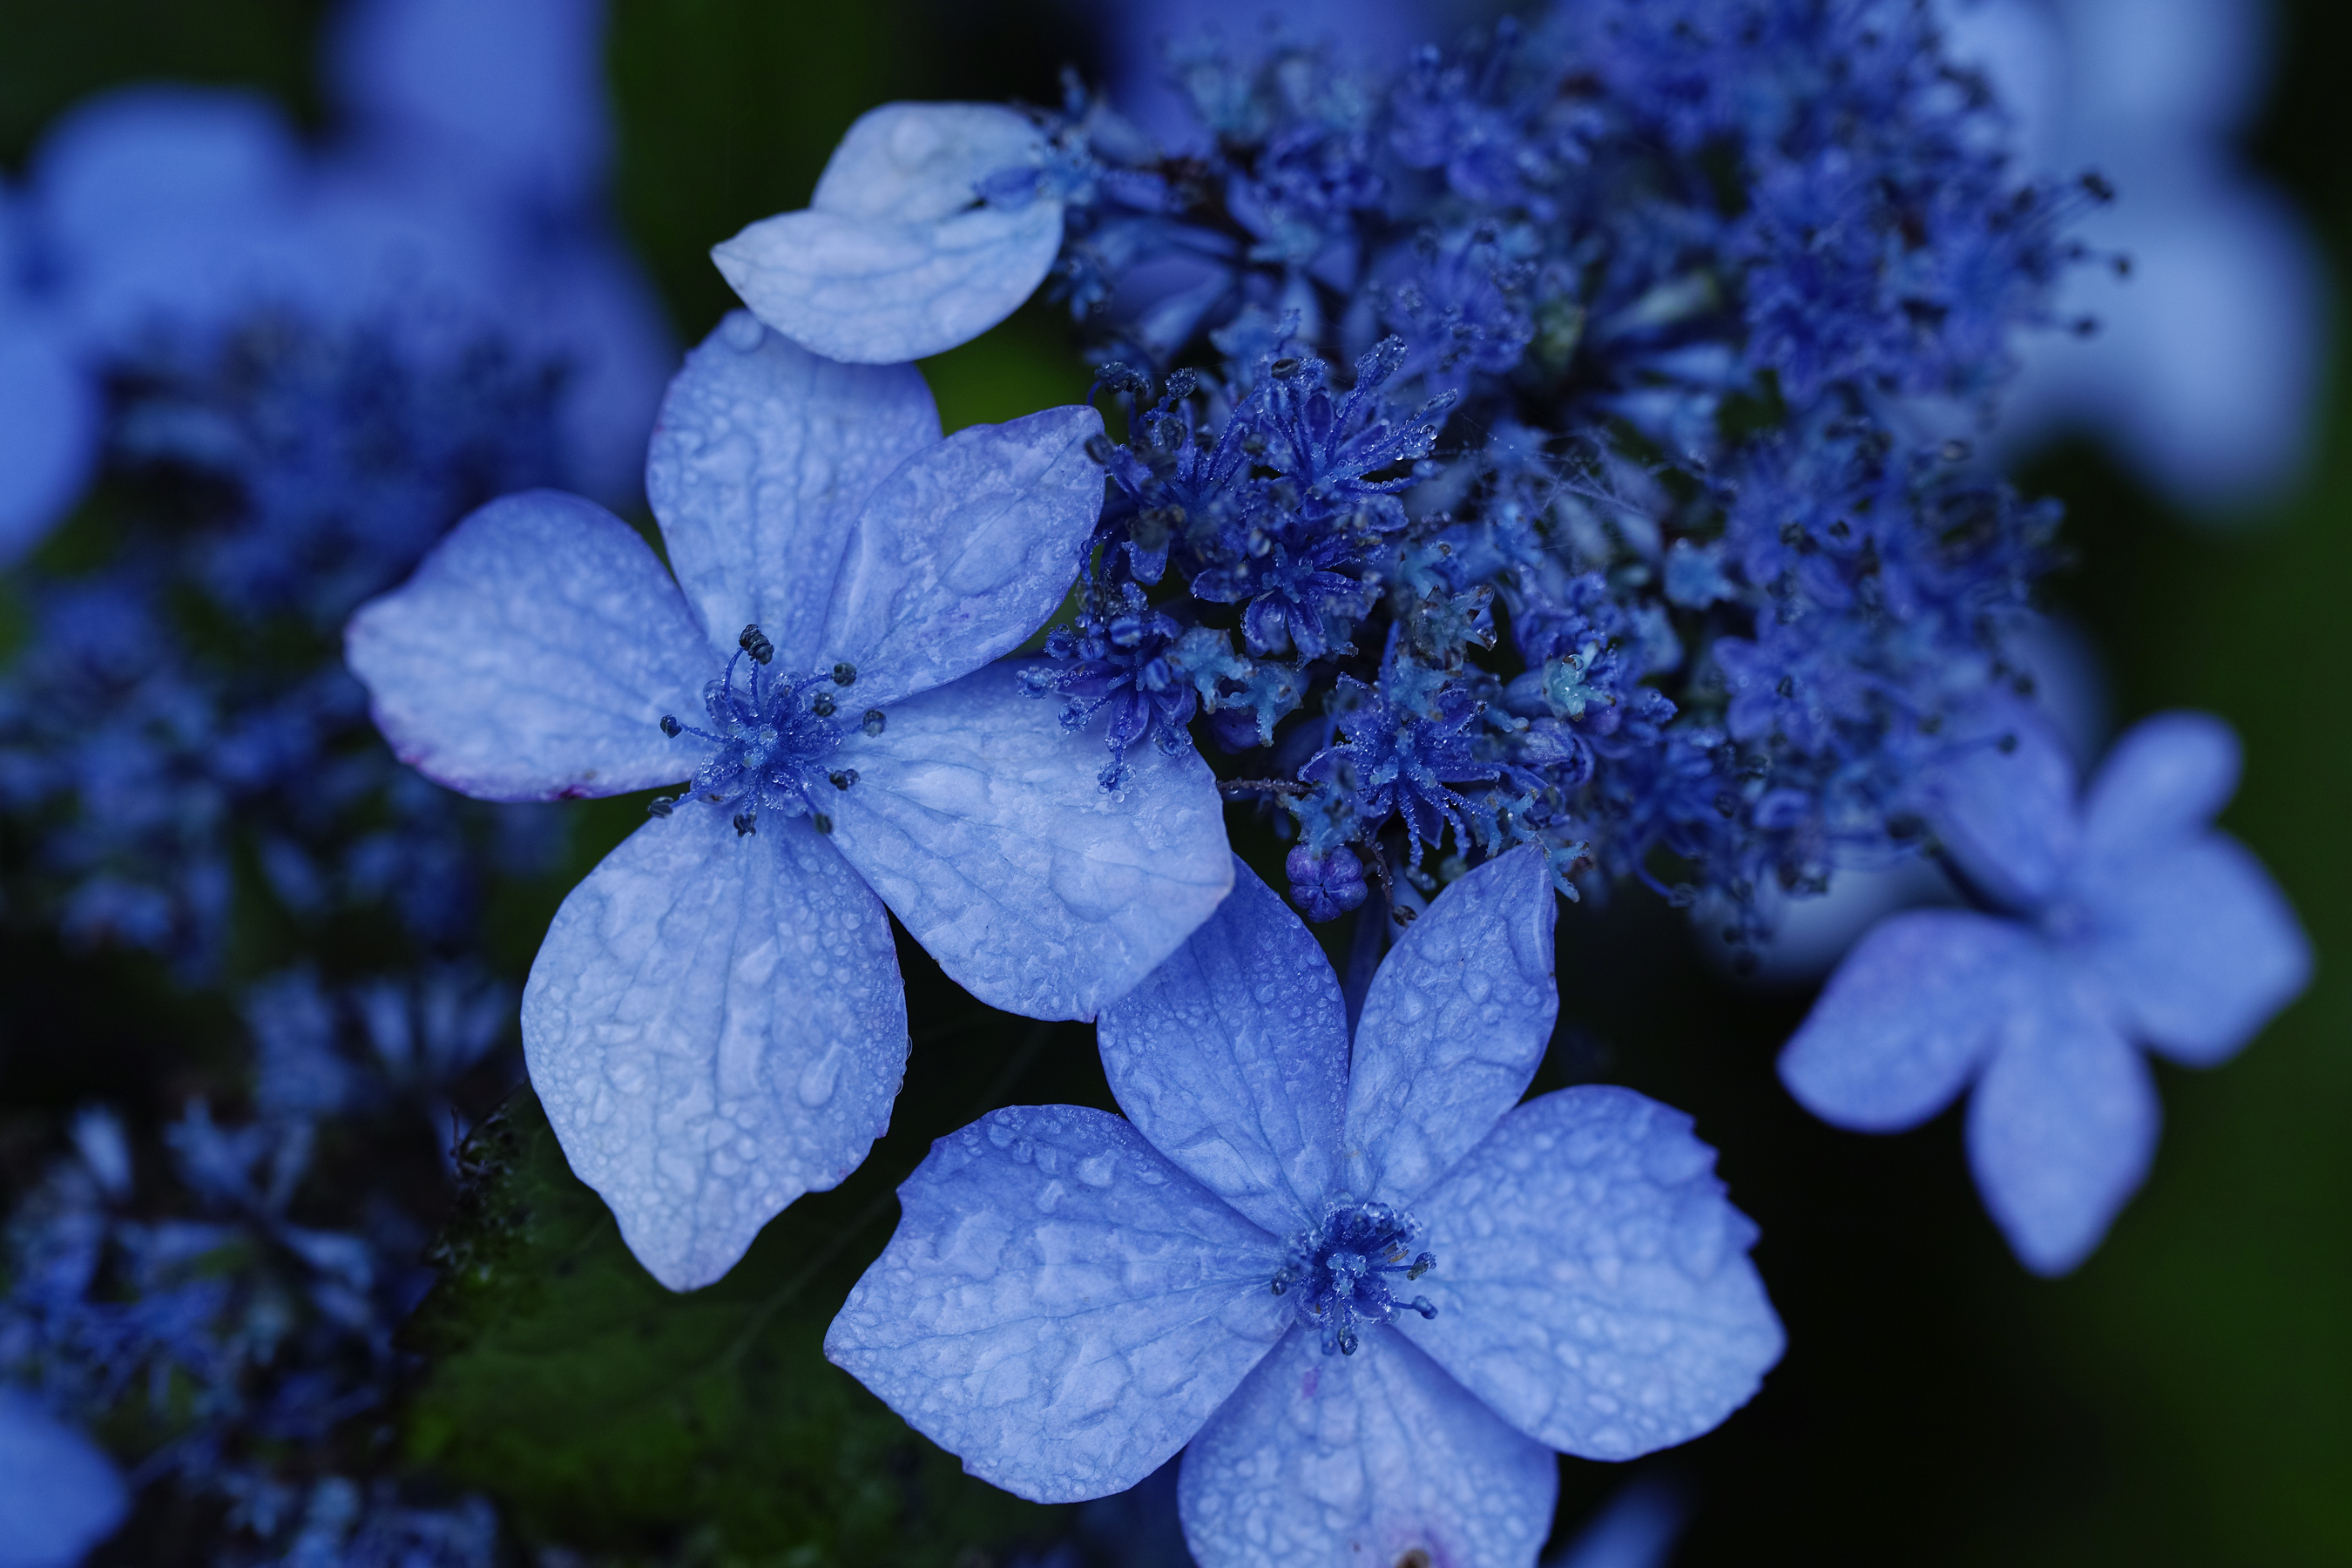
[(180, 710), (180, 713), (247, 1356), (1523, 449)]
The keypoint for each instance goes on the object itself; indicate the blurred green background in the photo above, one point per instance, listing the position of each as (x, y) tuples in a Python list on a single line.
[(2186, 1398)]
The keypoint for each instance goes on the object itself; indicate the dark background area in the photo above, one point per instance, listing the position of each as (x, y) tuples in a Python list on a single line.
[(2185, 1398)]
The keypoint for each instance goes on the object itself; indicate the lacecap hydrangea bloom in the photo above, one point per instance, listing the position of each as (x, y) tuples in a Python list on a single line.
[(2125, 920), (715, 1022), (1515, 444), (1371, 1290)]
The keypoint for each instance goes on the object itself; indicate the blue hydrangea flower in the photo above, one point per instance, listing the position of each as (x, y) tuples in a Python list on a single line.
[(1372, 1295), (458, 205), (715, 1023), (59, 1496), (2128, 918), (932, 223)]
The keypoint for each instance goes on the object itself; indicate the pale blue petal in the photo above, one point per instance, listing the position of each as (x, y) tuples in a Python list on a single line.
[(125, 169), (761, 459), (978, 820), (59, 1495), (965, 548), (715, 1026), (2062, 1127), (896, 259), (1907, 1019), (600, 316), (533, 656), (2197, 943), (1060, 1308), (2161, 784), (1592, 1281), (509, 95), (2007, 818), (1327, 1461), (1232, 1056), (1452, 1027), (48, 429)]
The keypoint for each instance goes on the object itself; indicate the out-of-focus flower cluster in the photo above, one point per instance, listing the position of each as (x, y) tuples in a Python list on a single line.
[(258, 381)]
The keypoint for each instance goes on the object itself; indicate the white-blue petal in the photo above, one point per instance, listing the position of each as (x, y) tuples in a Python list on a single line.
[(1060, 1308), (59, 1495), (978, 820), (48, 428), (1592, 1281), (2062, 1126), (895, 258), (2196, 943), (963, 550), (762, 456), (1907, 1019), (1232, 1057), (533, 654), (2007, 817), (1452, 1027), (715, 1026), (1327, 1461), (2161, 784)]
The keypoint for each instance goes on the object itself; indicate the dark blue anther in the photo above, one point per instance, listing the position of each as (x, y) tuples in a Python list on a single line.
[(844, 779), (661, 806), (746, 823), (874, 720), (1341, 1269), (755, 643), (844, 674), (670, 726), (821, 705)]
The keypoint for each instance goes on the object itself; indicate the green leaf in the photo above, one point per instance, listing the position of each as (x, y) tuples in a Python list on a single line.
[(603, 1410)]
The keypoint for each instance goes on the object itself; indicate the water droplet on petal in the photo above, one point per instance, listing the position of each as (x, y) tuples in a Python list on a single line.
[(817, 1079)]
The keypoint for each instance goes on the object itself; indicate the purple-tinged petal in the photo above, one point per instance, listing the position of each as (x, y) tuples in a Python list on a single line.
[(980, 821), (1321, 1461), (762, 456), (1452, 1027), (897, 257), (1232, 1057), (2004, 807), (1592, 1281), (2062, 1126), (49, 414), (533, 654), (2197, 943), (2162, 783), (965, 548), (1060, 1308), (1907, 1019), (715, 1026), (59, 1495)]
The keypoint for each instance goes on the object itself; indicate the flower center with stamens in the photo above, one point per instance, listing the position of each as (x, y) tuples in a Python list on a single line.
[(1342, 1273), (773, 738)]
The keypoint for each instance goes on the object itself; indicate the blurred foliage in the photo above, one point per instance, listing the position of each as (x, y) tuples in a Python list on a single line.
[(2180, 1400)]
